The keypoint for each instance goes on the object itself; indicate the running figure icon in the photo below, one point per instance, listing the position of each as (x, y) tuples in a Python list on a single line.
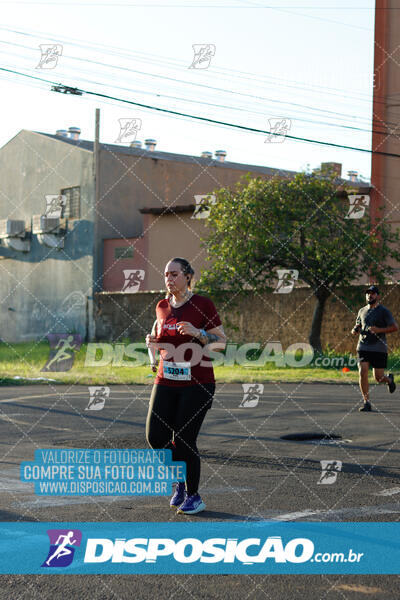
[(62, 549), (98, 396), (330, 470), (65, 350), (286, 281), (63, 544), (133, 279)]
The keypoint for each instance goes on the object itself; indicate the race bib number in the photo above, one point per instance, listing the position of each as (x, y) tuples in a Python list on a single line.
[(177, 371)]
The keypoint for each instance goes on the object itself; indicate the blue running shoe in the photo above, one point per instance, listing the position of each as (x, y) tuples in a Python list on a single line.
[(192, 505), (180, 494)]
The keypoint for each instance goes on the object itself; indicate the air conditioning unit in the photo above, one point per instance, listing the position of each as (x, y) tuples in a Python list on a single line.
[(17, 243), (50, 240), (12, 228), (42, 224)]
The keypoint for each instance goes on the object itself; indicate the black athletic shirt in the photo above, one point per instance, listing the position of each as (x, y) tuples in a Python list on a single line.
[(378, 317)]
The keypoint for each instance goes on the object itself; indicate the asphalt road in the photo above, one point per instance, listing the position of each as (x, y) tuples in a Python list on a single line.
[(248, 473)]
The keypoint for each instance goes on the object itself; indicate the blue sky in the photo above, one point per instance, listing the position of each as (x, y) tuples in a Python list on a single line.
[(306, 61)]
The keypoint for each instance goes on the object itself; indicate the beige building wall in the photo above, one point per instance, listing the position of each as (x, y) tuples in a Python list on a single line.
[(169, 236), (137, 179)]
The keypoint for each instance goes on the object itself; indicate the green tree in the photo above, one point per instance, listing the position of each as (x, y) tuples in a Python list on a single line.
[(302, 223)]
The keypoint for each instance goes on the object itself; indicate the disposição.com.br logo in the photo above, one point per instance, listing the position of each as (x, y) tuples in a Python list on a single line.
[(190, 550)]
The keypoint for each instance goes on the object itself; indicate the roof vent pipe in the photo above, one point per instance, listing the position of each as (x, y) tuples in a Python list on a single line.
[(220, 155), (352, 175), (74, 133), (150, 144), (62, 133)]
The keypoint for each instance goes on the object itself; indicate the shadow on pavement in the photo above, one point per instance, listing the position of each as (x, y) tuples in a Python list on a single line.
[(6, 515)]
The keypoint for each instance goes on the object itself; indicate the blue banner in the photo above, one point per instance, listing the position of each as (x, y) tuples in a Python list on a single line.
[(203, 547)]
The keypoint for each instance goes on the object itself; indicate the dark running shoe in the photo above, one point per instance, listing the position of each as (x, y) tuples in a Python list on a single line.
[(366, 408), (192, 505), (179, 497), (391, 384)]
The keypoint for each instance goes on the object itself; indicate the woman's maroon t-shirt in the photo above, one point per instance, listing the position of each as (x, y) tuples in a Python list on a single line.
[(202, 314)]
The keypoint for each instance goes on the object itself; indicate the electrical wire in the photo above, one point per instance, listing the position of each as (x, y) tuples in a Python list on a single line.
[(252, 96), (230, 107), (208, 120), (223, 106), (129, 4), (179, 65)]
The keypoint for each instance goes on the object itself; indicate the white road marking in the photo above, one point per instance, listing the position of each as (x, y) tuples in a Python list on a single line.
[(358, 511), (12, 484), (225, 490), (329, 442), (17, 414), (296, 515), (389, 492), (17, 422), (16, 398), (8, 419)]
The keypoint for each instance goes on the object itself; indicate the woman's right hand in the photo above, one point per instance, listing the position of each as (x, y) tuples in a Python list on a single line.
[(150, 339), (151, 343)]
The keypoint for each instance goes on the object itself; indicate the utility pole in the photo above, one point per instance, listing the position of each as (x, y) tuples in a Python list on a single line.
[(96, 274), (379, 112)]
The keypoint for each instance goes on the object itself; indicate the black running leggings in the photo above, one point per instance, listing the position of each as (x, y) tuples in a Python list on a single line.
[(176, 414)]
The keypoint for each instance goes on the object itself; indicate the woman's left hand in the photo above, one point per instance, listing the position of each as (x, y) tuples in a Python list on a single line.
[(186, 328)]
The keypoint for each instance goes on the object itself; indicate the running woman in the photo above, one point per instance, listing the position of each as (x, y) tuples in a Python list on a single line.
[(185, 384), (372, 323)]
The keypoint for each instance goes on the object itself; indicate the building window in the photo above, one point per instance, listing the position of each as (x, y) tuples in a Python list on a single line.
[(73, 202), (123, 252)]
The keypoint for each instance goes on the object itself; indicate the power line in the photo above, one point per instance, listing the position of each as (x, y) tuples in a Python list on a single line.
[(205, 119), (128, 4), (172, 62), (213, 88), (205, 86), (230, 107), (113, 103), (290, 12), (242, 75), (203, 102)]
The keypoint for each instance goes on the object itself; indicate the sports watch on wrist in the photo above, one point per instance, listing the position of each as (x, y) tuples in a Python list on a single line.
[(202, 333)]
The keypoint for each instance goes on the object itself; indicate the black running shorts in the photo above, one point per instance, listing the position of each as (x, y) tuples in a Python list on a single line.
[(378, 360)]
